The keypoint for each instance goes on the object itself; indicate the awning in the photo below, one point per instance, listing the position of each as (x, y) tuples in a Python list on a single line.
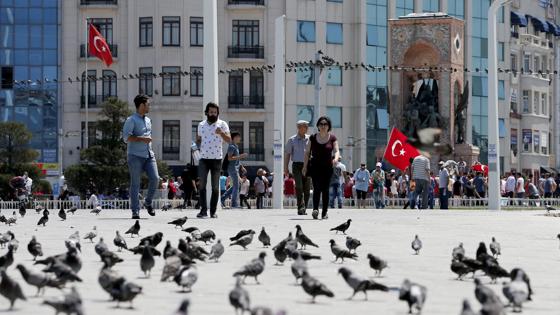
[(553, 29), (540, 24), (548, 169), (518, 19)]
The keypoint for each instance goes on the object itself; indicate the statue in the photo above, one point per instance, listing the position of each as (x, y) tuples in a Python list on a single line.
[(461, 114), (433, 120), (414, 123), (422, 108)]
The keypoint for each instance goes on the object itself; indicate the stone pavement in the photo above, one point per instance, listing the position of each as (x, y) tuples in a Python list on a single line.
[(528, 240)]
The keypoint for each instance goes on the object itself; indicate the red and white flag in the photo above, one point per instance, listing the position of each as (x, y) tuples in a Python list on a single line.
[(398, 151), (98, 46)]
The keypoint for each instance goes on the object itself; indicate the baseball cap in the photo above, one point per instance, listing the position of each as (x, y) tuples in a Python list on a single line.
[(378, 164), (392, 171), (302, 122)]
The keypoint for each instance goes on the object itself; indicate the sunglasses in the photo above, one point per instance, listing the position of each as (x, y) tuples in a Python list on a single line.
[(323, 124)]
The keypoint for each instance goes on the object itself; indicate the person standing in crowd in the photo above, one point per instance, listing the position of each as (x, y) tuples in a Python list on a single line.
[(289, 186), (189, 184), (349, 188), (28, 183), (421, 177), (394, 186), (443, 183), (520, 187), (532, 191), (171, 190), (233, 167), (510, 185), (321, 155), (295, 151), (261, 184), (378, 183), (211, 134), (361, 183), (548, 186), (335, 185), (137, 133), (245, 184), (480, 186)]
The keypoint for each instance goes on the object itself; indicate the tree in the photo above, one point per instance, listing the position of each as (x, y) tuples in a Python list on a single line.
[(14, 145)]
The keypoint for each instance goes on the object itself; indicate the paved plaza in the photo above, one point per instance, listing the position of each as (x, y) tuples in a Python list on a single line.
[(528, 240)]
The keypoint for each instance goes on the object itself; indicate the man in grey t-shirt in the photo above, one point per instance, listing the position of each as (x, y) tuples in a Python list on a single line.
[(294, 151), (421, 175)]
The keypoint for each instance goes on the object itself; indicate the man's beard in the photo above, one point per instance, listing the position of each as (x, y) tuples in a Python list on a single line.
[(211, 118)]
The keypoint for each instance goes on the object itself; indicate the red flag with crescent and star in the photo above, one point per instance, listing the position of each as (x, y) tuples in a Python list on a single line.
[(98, 46), (398, 151)]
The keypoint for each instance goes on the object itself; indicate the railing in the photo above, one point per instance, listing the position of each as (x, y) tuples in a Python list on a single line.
[(531, 39), (113, 47), (98, 2), (250, 102), (254, 52), (94, 100), (253, 2)]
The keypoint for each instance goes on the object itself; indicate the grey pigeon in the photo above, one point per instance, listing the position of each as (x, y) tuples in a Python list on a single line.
[(360, 284), (303, 239), (70, 259), (100, 247), (460, 268), (340, 252), (484, 294), (171, 267), (8, 259), (107, 277), (10, 289), (183, 307), (124, 291), (458, 252), (166, 206), (525, 277), (72, 210), (467, 309), (416, 245), (186, 277), (414, 294), (239, 298), (495, 248), (96, 211), (314, 287), (494, 270), (377, 264), (134, 229), (343, 227), (13, 244), (119, 241), (179, 222), (253, 269), (517, 292), (192, 250), (217, 251), (91, 235), (207, 236), (190, 229), (62, 213), (549, 208), (306, 255), (22, 211), (264, 238), (169, 250), (74, 238), (6, 238), (35, 248), (240, 234), (298, 266), (13, 219), (71, 303), (38, 280), (244, 240), (43, 220), (110, 258), (63, 272), (153, 240), (279, 250), (147, 260), (352, 243)]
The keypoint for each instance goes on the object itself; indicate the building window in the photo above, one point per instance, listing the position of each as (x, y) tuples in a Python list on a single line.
[(544, 143), (197, 31), (334, 76), (305, 75), (501, 90), (404, 7), (245, 33), (235, 98), (525, 101), (527, 140), (171, 140), (536, 100), (526, 63), (536, 64), (93, 134), (513, 142), (256, 140), (536, 142), (6, 78), (335, 114), (334, 33), (306, 31), (196, 81), (171, 31), (194, 129), (237, 126), (109, 84), (91, 87), (305, 112), (544, 107), (105, 27), (513, 62), (513, 101), (501, 128), (146, 81), (146, 31), (501, 51), (456, 8), (430, 6), (171, 81), (376, 35), (256, 89), (480, 86)]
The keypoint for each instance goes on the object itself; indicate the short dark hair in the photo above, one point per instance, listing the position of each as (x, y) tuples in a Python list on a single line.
[(235, 134), (327, 119), (211, 105), (140, 99)]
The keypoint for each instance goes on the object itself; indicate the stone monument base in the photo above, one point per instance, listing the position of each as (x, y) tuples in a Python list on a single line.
[(466, 152)]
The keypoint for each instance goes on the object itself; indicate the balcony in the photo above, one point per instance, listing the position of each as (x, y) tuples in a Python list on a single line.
[(99, 2), (245, 3), (94, 101), (246, 102), (114, 51), (535, 41), (514, 34), (244, 52)]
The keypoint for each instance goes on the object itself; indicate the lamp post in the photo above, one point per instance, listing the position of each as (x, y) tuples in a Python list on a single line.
[(493, 135), (279, 119)]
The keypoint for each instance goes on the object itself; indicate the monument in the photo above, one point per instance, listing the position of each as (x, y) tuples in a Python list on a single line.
[(429, 90)]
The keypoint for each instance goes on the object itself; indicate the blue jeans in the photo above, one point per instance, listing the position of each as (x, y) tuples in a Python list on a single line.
[(378, 197), (335, 194), (443, 198), (234, 175), (421, 190), (214, 166), (137, 165)]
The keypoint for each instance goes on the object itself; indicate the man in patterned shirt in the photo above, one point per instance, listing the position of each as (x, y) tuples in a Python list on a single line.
[(211, 135)]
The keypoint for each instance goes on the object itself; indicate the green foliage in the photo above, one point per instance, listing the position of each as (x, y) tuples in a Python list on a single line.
[(14, 145)]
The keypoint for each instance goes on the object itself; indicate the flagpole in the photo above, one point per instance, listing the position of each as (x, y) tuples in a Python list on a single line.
[(86, 78)]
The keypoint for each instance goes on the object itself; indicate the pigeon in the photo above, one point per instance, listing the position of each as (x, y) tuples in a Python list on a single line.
[(306, 255), (75, 240), (239, 298), (343, 227), (38, 209), (13, 243), (39, 280), (62, 213), (467, 309), (71, 303), (482, 254), (217, 251), (186, 277), (8, 259), (377, 264), (513, 274), (495, 248), (34, 248), (192, 250), (279, 250), (10, 289), (264, 238), (207, 236), (43, 220), (110, 258), (140, 248), (472, 263), (12, 220), (183, 307), (100, 247), (303, 239), (484, 294), (416, 245), (147, 261), (414, 294), (178, 222), (244, 240), (3, 219), (63, 272), (298, 266), (166, 206), (72, 210), (458, 252), (460, 268), (352, 243), (360, 284), (169, 250), (153, 240), (172, 266), (252, 269), (190, 229), (124, 291), (134, 229), (517, 292), (96, 211), (314, 287), (240, 234), (340, 252), (549, 208), (119, 241), (107, 277), (22, 211), (196, 235), (494, 270), (91, 235), (70, 259), (45, 212), (6, 238)]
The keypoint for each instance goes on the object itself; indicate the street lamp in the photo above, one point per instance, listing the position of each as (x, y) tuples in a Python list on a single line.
[(493, 135)]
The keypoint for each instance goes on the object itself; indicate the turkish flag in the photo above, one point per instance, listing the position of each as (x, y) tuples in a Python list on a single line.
[(98, 46), (480, 168), (398, 151)]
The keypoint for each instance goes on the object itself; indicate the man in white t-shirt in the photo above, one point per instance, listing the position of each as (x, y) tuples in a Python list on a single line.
[(520, 186), (211, 135), (510, 185)]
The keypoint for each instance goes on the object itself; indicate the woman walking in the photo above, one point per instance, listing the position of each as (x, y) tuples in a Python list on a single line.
[(321, 155)]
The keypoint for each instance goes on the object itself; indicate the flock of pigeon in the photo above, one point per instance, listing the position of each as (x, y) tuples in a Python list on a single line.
[(180, 266)]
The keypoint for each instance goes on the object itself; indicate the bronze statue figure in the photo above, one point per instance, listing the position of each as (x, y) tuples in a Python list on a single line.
[(461, 114)]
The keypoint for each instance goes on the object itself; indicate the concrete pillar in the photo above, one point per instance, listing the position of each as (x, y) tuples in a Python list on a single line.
[(443, 6), (418, 6), (279, 111)]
